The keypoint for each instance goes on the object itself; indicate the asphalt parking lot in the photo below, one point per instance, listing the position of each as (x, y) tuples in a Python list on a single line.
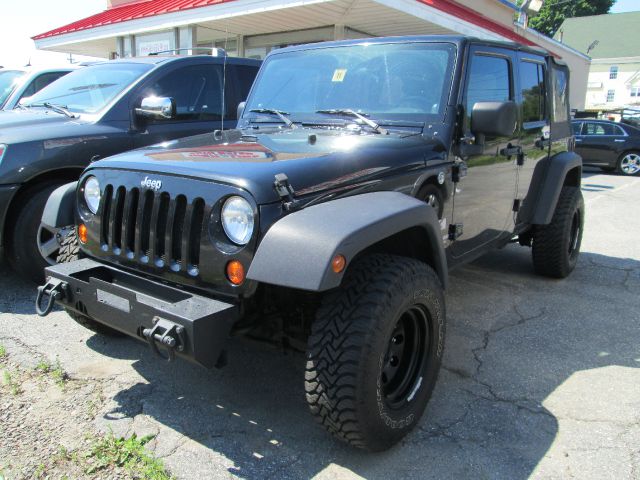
[(541, 378)]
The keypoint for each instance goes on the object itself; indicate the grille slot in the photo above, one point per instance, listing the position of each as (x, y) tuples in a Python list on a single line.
[(152, 228)]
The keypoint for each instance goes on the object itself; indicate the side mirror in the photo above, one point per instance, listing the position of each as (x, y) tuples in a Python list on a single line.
[(157, 107), (494, 119), (240, 109)]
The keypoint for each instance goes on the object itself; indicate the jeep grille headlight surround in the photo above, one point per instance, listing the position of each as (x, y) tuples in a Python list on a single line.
[(237, 219), (92, 194)]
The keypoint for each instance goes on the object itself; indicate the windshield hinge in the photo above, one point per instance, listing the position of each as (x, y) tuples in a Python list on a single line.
[(285, 191)]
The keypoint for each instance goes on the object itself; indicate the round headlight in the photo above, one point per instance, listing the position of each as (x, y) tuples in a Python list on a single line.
[(92, 193), (237, 220)]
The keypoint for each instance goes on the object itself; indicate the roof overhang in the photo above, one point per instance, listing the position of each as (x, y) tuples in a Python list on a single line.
[(251, 17)]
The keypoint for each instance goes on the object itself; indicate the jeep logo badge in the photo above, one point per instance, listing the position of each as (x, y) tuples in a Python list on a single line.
[(151, 184)]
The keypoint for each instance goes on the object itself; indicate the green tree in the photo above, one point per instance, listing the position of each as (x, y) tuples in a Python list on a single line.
[(554, 12)]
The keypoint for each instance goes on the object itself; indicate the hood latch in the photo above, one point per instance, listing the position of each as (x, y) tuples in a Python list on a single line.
[(285, 191)]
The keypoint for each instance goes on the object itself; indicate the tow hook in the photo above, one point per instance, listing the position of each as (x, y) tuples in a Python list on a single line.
[(168, 335), (56, 290)]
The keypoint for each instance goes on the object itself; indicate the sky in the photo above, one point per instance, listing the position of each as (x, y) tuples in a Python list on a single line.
[(25, 18)]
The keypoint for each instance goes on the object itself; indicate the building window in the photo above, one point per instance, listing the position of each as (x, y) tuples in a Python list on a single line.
[(613, 73), (635, 91), (611, 95)]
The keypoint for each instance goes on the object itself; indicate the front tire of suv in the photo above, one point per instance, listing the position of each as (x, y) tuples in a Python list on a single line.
[(556, 246), (23, 253), (375, 351), (70, 252)]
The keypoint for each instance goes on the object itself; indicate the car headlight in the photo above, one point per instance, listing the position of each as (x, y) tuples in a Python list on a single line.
[(237, 220), (92, 194)]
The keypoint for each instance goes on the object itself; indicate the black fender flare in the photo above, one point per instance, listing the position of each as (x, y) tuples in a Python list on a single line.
[(548, 192), (60, 208), (298, 249)]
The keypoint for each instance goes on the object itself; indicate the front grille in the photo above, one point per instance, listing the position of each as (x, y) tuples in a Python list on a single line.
[(152, 227)]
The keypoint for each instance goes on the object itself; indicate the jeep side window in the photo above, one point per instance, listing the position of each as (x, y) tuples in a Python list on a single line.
[(533, 94), (560, 98), (489, 81), (197, 91)]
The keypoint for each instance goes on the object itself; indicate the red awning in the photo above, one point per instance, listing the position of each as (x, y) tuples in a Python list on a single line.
[(131, 11), (150, 8)]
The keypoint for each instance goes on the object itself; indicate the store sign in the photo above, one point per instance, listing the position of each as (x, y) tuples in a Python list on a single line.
[(147, 47)]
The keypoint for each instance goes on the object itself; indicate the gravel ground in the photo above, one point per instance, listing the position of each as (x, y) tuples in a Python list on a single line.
[(541, 380)]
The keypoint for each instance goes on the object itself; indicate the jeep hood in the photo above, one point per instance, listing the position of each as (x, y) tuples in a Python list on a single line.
[(315, 161)]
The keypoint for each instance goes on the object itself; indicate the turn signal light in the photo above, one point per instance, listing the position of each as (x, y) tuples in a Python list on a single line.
[(82, 233), (235, 272), (338, 263)]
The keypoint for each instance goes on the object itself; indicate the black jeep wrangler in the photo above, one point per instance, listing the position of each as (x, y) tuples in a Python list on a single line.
[(360, 173)]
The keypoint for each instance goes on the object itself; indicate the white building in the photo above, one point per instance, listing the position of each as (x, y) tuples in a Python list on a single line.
[(613, 42), (252, 28)]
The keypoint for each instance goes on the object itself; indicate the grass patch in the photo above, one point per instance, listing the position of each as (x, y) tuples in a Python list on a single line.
[(9, 382), (53, 370), (3, 353), (129, 453)]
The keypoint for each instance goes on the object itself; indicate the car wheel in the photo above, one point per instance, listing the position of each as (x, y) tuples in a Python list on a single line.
[(70, 252), (629, 163), (375, 351), (556, 246), (432, 195), (23, 242)]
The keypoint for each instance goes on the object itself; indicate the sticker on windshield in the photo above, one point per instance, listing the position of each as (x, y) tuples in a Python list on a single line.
[(339, 74)]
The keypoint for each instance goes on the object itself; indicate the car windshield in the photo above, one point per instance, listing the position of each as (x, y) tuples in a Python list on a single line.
[(8, 81), (395, 81), (90, 89)]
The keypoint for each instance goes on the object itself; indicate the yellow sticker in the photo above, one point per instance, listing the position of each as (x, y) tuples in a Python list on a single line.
[(339, 74)]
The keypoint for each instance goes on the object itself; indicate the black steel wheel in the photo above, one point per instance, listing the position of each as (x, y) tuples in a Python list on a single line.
[(375, 351), (556, 246)]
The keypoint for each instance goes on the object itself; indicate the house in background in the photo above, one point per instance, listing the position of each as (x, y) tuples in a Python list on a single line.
[(253, 28), (613, 43)]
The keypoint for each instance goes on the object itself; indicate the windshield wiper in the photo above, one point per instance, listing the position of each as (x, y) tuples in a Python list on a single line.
[(279, 113), (347, 111), (56, 108)]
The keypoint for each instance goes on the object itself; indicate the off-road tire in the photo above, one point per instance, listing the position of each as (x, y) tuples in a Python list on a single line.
[(350, 338), (70, 252), (556, 246), (22, 245)]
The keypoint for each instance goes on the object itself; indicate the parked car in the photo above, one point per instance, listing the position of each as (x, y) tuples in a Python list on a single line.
[(95, 112), (361, 172), (609, 145), (20, 83)]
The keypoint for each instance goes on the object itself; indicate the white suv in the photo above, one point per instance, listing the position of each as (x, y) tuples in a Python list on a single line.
[(18, 83)]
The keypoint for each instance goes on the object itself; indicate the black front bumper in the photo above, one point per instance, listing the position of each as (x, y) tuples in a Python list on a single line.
[(145, 309)]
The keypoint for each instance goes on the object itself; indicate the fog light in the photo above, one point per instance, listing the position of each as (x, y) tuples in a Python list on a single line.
[(338, 263), (235, 272), (82, 233)]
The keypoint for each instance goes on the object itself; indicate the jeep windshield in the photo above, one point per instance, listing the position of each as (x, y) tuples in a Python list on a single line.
[(89, 89), (388, 82)]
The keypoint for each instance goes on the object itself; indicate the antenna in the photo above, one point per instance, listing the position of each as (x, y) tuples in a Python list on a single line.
[(224, 79)]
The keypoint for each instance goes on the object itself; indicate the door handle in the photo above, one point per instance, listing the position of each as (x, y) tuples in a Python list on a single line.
[(578, 140), (619, 141), (511, 151)]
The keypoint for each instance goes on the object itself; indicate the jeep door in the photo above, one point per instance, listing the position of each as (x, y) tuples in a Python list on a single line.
[(535, 126), (484, 197), (198, 94)]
